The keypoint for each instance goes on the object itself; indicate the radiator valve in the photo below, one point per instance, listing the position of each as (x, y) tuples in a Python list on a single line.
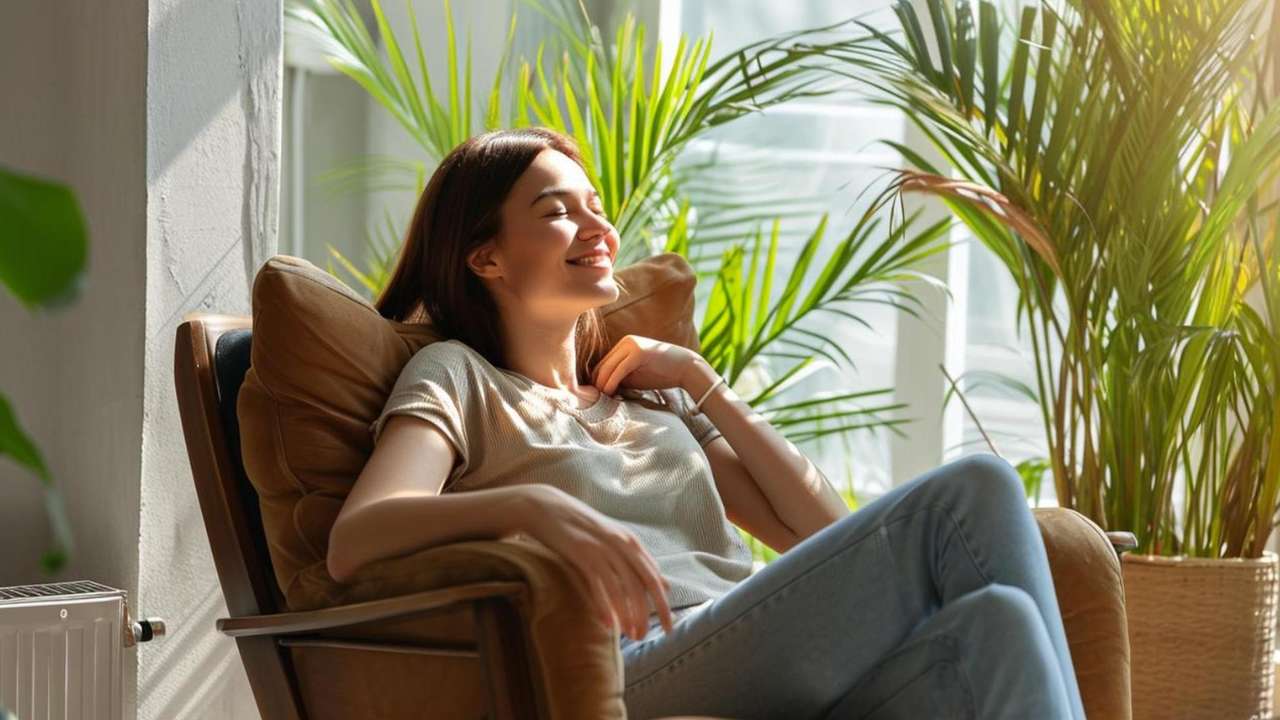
[(140, 631)]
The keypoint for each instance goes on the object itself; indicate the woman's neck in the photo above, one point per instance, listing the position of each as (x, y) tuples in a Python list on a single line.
[(545, 353)]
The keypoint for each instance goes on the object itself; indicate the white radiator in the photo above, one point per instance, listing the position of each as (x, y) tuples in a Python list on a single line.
[(62, 649)]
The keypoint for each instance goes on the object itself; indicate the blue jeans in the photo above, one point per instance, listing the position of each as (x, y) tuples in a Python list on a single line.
[(933, 601)]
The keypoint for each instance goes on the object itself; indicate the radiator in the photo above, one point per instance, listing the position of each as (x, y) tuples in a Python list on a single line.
[(62, 650)]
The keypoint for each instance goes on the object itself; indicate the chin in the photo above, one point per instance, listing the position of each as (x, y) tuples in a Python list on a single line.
[(608, 293)]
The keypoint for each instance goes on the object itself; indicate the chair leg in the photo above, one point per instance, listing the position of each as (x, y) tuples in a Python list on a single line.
[(503, 655), (270, 679)]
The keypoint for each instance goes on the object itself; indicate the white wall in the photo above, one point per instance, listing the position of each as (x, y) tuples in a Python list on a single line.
[(213, 153), (163, 115)]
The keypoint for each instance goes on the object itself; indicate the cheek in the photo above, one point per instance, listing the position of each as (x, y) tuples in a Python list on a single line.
[(540, 260)]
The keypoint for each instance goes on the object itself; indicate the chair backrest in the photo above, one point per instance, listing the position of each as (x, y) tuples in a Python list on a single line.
[(211, 358)]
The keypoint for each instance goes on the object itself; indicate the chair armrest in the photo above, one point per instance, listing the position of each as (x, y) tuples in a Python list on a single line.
[(1087, 580), (362, 612), (577, 661), (1122, 540)]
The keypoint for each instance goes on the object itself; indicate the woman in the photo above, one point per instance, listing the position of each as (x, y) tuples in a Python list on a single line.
[(631, 460)]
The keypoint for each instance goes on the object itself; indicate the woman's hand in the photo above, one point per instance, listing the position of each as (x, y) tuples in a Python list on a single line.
[(619, 573), (642, 363)]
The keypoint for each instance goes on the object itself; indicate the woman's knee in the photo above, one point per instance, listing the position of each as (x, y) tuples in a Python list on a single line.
[(984, 476), (1003, 606)]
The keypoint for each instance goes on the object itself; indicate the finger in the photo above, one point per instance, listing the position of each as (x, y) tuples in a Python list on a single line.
[(618, 595), (599, 596), (654, 589), (602, 592), (656, 585), (606, 365), (595, 372), (633, 593), (620, 371), (660, 589), (644, 573), (651, 569)]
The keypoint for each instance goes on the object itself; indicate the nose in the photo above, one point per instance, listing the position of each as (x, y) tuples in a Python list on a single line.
[(595, 226)]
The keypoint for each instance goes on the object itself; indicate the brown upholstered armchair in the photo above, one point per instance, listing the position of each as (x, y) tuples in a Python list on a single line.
[(275, 414)]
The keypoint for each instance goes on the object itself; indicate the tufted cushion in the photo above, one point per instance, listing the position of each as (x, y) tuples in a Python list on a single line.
[(323, 362)]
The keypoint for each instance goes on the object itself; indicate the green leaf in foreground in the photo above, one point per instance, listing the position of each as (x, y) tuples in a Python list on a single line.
[(15, 444), (42, 240)]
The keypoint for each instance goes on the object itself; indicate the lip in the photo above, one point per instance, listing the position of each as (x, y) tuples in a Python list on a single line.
[(608, 266), (597, 251)]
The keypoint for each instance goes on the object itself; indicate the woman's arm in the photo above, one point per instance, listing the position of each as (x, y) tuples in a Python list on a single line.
[(795, 489), (395, 505)]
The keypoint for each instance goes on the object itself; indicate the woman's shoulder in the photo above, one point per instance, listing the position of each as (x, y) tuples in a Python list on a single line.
[(450, 352), (444, 359)]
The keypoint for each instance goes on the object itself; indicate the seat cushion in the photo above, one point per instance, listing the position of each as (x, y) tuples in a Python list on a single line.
[(323, 362)]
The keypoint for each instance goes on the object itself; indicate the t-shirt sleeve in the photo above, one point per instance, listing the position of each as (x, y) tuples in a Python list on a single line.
[(703, 430), (434, 385)]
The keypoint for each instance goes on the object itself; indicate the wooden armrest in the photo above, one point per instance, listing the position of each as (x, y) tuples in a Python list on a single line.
[(367, 611), (1122, 540)]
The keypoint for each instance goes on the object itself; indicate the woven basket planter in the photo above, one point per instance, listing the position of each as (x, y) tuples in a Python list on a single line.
[(1201, 635)]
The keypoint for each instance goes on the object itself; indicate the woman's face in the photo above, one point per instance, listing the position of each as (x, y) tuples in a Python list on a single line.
[(551, 217)]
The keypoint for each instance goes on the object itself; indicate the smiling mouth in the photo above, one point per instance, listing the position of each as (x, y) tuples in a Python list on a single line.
[(599, 262)]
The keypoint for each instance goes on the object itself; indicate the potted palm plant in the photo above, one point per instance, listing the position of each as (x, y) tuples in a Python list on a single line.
[(1119, 158)]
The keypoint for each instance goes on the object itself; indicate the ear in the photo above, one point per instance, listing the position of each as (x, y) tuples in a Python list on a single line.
[(483, 260)]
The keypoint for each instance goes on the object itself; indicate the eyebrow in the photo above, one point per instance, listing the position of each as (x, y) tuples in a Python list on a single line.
[(591, 193)]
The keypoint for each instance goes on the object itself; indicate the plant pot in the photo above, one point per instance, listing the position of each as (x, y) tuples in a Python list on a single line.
[(1201, 635)]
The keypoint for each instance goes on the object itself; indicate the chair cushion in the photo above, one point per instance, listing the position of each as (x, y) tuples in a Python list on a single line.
[(322, 364)]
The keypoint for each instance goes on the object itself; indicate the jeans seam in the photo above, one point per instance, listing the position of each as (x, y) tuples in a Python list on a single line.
[(964, 540), (947, 639), (964, 685)]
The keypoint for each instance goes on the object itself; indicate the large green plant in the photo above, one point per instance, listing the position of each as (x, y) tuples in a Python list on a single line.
[(1111, 153), (42, 259)]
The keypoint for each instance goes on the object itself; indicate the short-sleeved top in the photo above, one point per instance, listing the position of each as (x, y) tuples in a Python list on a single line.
[(637, 458)]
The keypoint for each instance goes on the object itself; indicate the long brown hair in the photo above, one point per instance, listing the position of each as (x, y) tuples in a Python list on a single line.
[(460, 209)]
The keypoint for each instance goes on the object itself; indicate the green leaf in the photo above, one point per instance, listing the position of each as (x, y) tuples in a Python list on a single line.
[(43, 246), (15, 443), (989, 38)]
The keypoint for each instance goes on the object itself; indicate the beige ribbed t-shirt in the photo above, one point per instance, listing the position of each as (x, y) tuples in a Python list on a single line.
[(637, 458)]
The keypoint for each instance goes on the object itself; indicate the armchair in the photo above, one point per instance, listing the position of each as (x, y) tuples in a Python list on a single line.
[(275, 432)]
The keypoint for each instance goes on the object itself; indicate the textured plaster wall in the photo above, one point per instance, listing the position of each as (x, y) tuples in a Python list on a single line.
[(213, 151)]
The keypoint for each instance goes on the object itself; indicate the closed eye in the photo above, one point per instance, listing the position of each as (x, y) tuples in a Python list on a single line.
[(563, 213)]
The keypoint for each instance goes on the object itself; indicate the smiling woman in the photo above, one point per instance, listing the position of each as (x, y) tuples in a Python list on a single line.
[(527, 421)]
